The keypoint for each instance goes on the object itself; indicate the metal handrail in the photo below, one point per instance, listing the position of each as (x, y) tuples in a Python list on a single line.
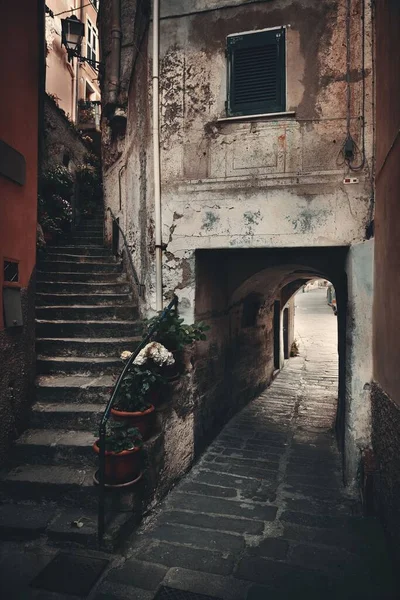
[(106, 416), (140, 286)]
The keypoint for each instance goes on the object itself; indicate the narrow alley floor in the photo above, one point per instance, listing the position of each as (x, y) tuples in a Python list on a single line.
[(263, 515)]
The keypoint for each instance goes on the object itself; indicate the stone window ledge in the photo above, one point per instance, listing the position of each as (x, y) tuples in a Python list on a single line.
[(290, 113)]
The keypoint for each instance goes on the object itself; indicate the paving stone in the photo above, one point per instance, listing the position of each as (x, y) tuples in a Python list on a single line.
[(323, 521), (209, 490), (229, 480), (252, 455), (223, 507), (115, 591), (138, 574), (188, 558), (200, 538), (270, 548), (324, 558), (216, 586), (213, 522), (18, 521), (279, 575)]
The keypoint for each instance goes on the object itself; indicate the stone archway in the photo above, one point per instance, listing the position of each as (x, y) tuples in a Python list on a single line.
[(239, 361)]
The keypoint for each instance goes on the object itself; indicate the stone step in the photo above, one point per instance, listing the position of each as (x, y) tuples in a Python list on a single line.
[(67, 243), (36, 520), (51, 276), (54, 447), (85, 346), (80, 287), (79, 250), (80, 365), (78, 258), (65, 485), (79, 312), (74, 389), (80, 417), (64, 299), (87, 328), (97, 220), (89, 267), (93, 231), (86, 240)]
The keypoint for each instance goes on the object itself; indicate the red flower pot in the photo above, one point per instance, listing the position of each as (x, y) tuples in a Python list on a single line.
[(142, 420), (120, 467)]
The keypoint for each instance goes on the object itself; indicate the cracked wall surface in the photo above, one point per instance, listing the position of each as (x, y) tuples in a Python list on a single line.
[(272, 182)]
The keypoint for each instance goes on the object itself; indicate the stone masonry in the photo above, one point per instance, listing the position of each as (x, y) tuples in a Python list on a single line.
[(264, 514)]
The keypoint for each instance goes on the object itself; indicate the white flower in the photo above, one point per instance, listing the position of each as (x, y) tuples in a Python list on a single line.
[(125, 355), (155, 352)]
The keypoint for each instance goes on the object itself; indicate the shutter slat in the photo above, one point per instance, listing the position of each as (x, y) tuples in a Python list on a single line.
[(257, 73)]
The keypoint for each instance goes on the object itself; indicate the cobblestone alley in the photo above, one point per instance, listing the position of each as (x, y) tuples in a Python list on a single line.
[(264, 515)]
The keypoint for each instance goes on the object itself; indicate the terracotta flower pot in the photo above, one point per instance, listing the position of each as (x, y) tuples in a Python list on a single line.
[(142, 420), (121, 467)]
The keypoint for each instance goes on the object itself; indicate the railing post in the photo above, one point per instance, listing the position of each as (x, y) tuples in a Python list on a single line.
[(101, 478), (106, 416)]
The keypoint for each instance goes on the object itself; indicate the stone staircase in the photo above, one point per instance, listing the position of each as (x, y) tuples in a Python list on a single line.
[(86, 315)]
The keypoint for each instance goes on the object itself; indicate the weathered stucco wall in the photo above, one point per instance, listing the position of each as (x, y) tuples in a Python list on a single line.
[(357, 430), (386, 391), (246, 184)]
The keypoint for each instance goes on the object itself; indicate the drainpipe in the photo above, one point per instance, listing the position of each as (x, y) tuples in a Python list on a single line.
[(115, 54), (156, 151)]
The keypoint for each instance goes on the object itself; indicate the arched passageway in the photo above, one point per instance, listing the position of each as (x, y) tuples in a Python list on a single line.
[(247, 297)]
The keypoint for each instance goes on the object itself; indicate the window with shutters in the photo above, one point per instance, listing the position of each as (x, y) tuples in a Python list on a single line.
[(91, 44), (256, 72)]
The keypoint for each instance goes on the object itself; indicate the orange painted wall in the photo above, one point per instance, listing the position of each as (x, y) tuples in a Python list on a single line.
[(19, 72)]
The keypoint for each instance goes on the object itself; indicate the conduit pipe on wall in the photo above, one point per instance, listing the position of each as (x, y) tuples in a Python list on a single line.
[(115, 54), (156, 151)]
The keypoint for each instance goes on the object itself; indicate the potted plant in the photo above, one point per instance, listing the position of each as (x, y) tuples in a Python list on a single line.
[(122, 458), (175, 335), (141, 386)]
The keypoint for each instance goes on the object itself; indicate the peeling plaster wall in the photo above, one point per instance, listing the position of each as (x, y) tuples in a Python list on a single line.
[(360, 279), (250, 184), (253, 183)]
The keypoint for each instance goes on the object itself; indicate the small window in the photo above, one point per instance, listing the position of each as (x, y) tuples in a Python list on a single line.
[(10, 271), (256, 76)]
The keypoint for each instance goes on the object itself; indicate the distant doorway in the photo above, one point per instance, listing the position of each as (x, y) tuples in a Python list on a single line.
[(286, 349)]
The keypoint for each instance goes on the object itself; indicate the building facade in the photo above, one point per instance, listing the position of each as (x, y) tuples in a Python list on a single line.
[(72, 83), (266, 127), (22, 41)]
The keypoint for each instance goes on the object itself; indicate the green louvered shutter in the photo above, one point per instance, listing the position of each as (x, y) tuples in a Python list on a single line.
[(256, 82)]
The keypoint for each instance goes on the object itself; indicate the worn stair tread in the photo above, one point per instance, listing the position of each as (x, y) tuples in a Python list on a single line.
[(127, 296), (85, 306), (56, 437), (92, 340), (80, 359), (69, 273), (95, 284), (52, 475), (85, 322), (42, 407), (74, 381)]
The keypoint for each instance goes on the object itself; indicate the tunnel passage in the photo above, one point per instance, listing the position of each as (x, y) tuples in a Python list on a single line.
[(243, 296)]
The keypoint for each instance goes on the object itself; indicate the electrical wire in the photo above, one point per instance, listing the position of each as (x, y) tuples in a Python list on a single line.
[(349, 141), (69, 11)]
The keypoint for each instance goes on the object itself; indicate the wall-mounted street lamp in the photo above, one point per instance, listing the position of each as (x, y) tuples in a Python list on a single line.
[(72, 33)]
